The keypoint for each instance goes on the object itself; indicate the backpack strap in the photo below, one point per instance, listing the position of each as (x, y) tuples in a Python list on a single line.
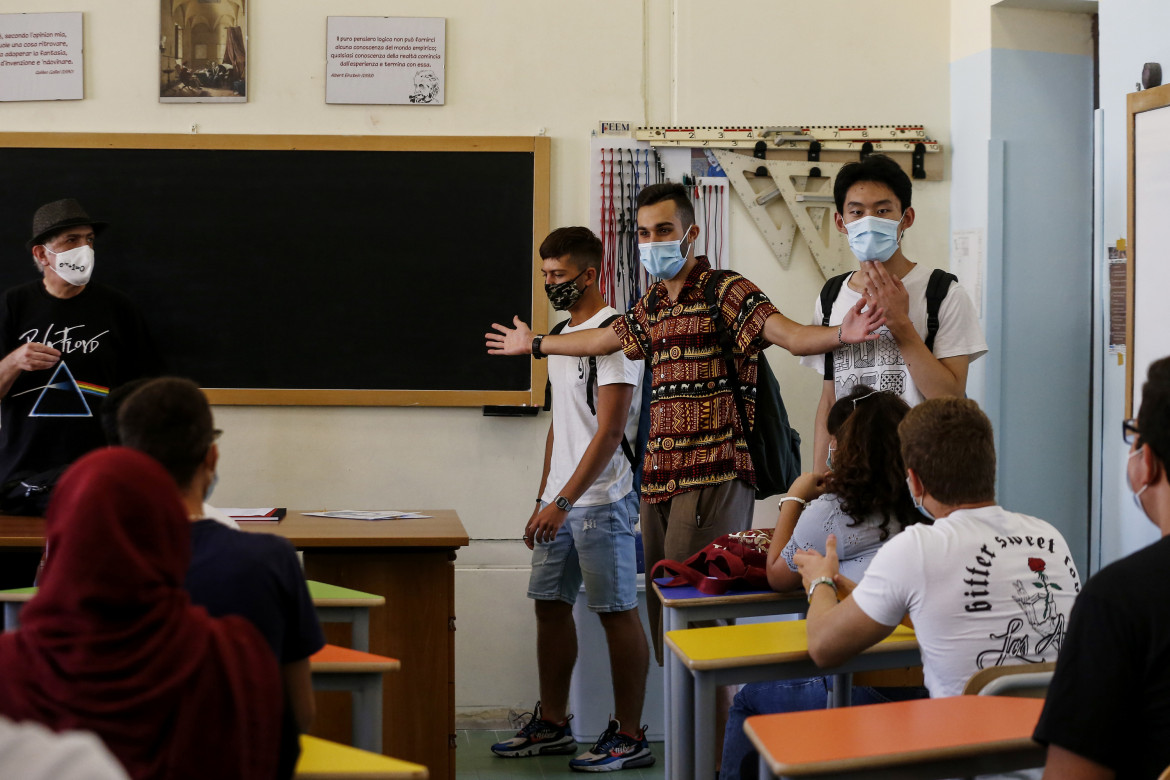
[(829, 295), (548, 382), (936, 292), (711, 296)]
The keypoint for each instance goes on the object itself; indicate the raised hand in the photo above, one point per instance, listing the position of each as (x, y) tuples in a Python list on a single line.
[(510, 341), (859, 326)]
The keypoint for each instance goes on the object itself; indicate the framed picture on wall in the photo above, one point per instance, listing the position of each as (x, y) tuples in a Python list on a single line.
[(202, 51)]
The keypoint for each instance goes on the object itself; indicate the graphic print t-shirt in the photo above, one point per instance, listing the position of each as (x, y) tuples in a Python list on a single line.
[(879, 364), (50, 418), (984, 587)]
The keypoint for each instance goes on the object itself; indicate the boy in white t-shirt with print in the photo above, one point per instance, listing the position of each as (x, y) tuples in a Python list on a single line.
[(873, 209), (983, 586), (582, 528)]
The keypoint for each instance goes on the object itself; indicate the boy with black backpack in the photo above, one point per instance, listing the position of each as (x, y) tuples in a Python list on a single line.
[(582, 528), (932, 331)]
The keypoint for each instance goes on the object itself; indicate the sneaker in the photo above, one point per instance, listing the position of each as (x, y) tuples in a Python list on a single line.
[(537, 737), (615, 750)]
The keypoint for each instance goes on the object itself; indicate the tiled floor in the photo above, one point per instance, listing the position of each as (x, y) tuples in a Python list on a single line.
[(474, 761)]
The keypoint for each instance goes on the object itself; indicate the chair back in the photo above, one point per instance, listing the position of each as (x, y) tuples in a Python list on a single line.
[(1021, 680)]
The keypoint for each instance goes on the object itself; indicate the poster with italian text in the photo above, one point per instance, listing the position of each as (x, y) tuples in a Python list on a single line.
[(386, 60), (41, 57)]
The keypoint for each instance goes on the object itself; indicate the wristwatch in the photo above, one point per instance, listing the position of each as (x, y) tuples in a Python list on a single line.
[(563, 503), (539, 337)]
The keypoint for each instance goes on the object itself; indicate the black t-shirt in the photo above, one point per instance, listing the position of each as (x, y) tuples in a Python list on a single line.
[(1110, 696), (258, 577), (50, 418)]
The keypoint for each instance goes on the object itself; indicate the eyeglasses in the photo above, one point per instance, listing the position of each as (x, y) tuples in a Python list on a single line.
[(1129, 431)]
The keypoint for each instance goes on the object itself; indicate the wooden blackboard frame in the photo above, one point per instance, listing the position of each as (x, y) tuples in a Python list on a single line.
[(1136, 103), (538, 147)]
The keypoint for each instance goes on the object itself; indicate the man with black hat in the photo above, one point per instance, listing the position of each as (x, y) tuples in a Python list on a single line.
[(67, 342)]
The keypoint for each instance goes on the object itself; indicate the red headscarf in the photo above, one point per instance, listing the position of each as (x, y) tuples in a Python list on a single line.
[(112, 644)]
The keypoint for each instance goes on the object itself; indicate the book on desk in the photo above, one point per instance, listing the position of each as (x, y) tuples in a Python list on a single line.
[(261, 515)]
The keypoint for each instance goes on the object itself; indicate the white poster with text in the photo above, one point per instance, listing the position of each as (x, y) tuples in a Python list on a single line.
[(386, 59), (40, 57)]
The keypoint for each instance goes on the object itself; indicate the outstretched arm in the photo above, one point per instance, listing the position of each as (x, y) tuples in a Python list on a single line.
[(816, 339), (518, 341)]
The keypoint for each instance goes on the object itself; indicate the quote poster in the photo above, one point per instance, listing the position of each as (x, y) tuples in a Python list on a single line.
[(40, 57), (386, 60)]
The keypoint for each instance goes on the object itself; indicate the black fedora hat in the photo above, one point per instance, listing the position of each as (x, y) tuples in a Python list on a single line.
[(60, 214)]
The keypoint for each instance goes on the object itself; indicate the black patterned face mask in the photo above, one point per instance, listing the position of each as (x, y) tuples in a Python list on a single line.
[(562, 296)]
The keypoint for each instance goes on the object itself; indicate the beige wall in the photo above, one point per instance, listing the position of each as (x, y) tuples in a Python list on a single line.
[(515, 67)]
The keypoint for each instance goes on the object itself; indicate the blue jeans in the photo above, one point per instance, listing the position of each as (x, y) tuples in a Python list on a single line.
[(740, 759), (595, 545)]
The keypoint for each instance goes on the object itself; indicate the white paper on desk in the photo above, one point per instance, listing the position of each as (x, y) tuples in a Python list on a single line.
[(382, 514)]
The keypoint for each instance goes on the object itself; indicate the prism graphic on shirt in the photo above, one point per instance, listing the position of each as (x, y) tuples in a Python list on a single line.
[(64, 396)]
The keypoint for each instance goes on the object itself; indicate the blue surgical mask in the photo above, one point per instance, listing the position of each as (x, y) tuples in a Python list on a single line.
[(211, 486), (1137, 494), (664, 259), (873, 238), (918, 502)]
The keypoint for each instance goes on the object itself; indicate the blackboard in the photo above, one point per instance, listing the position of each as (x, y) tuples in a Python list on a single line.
[(307, 269)]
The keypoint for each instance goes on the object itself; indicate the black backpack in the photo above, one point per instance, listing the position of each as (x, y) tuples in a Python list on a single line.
[(936, 291), (634, 452)]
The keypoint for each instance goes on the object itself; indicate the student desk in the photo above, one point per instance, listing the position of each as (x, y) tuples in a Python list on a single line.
[(685, 604), (959, 736), (324, 760), (343, 605), (411, 564), (755, 652)]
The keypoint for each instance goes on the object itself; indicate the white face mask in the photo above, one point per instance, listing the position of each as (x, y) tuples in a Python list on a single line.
[(75, 266), (1137, 494)]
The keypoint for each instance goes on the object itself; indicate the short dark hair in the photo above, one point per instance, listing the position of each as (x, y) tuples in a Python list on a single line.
[(877, 168), (668, 190), (1154, 414), (169, 419), (579, 243), (949, 444), (113, 403), (868, 475)]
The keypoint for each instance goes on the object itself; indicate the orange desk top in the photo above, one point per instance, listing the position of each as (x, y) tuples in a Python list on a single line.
[(334, 658), (441, 529), (889, 735)]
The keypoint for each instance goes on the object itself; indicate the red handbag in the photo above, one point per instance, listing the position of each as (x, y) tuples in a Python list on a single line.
[(732, 562)]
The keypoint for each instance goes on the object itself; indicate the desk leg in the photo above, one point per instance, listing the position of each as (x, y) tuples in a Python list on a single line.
[(361, 630), (704, 733), (367, 716), (842, 695), (765, 771), (674, 671), (12, 615)]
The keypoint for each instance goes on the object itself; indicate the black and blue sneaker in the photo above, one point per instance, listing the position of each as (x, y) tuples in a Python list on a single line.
[(537, 737), (615, 750)]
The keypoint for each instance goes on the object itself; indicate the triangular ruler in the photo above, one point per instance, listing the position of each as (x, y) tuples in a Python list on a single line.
[(787, 198), (61, 397)]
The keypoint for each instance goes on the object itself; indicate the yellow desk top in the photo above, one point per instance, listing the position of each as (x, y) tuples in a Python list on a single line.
[(750, 644), (324, 760)]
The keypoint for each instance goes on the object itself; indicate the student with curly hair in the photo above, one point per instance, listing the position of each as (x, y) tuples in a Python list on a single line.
[(864, 501)]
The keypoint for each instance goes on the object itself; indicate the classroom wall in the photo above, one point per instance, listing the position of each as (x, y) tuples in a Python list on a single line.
[(1132, 33), (1024, 130), (518, 67)]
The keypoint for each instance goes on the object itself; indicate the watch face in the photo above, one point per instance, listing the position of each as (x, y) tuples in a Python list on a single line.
[(563, 503)]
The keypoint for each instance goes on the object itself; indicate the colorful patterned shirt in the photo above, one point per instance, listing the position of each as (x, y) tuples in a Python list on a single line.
[(696, 438)]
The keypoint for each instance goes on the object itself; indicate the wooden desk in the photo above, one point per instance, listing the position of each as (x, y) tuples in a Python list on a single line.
[(411, 564), (959, 736), (755, 652), (684, 605)]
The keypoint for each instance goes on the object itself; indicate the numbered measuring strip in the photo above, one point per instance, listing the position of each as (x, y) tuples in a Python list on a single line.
[(885, 138)]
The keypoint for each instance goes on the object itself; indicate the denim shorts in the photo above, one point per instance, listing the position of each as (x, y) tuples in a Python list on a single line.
[(595, 545)]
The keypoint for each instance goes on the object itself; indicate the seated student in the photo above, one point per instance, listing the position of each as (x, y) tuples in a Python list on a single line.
[(112, 644), (257, 576), (1108, 709), (983, 586), (864, 501), (30, 751)]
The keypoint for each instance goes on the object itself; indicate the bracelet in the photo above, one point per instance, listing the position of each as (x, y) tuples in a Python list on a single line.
[(821, 581), (801, 501), (839, 339)]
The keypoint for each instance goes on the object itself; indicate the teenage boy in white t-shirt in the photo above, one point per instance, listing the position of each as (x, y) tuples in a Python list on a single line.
[(983, 586), (873, 209), (583, 525)]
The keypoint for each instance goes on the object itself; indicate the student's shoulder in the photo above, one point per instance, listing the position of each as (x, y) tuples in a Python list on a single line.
[(212, 536)]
